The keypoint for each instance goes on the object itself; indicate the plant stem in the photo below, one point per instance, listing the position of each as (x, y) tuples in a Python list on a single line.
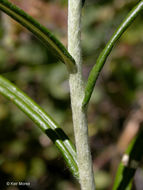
[(86, 176)]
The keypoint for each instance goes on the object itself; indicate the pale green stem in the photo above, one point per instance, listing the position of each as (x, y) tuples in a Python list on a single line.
[(86, 176)]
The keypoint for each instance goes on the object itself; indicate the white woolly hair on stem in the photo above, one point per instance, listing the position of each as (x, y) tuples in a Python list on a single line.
[(86, 176)]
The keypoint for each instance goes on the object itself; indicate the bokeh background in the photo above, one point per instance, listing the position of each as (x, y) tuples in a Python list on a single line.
[(116, 108)]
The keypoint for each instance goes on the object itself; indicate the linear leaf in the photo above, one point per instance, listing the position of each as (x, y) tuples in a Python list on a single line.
[(93, 76), (125, 172), (40, 32), (42, 120)]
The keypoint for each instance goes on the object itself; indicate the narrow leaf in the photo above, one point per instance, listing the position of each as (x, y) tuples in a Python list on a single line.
[(40, 32), (93, 76), (126, 171), (42, 120)]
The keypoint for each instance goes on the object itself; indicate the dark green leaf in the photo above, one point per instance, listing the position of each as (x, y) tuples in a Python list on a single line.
[(40, 32)]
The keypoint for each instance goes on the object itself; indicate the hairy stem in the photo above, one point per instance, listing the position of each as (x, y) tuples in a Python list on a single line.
[(86, 177)]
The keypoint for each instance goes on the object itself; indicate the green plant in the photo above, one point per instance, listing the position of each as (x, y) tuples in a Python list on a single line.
[(79, 163)]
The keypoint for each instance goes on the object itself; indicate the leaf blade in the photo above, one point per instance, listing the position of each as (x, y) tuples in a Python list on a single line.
[(42, 120), (94, 73), (40, 32), (125, 173)]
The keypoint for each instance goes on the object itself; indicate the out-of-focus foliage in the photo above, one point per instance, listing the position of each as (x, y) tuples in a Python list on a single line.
[(28, 155)]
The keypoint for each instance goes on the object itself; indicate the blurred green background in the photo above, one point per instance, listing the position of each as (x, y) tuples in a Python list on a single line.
[(116, 106)]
